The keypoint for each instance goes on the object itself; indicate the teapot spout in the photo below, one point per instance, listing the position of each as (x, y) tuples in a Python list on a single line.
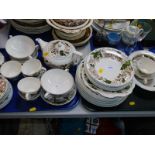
[(42, 43)]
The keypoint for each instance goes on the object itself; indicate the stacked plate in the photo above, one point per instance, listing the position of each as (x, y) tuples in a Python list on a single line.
[(30, 26), (76, 31), (105, 77), (6, 92), (144, 66), (58, 87)]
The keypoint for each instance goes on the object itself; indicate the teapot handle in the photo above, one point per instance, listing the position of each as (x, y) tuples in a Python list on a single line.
[(141, 35)]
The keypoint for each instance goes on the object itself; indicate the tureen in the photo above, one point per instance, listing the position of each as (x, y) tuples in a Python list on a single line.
[(59, 53)]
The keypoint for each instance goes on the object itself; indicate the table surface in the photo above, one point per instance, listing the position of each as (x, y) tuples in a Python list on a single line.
[(80, 111)]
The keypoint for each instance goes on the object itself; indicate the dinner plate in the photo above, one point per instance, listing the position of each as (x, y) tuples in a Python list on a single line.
[(109, 69), (93, 96)]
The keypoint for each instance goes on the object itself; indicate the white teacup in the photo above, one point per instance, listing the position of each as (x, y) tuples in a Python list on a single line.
[(146, 66), (11, 69), (33, 67), (56, 83), (20, 47), (29, 87)]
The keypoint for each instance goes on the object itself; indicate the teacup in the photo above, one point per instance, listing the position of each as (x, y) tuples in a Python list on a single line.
[(56, 84), (33, 67), (21, 47), (146, 66), (29, 88), (11, 69)]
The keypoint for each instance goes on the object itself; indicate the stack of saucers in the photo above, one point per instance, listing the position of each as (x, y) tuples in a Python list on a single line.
[(76, 31), (58, 87), (105, 77), (144, 67), (30, 26), (6, 92)]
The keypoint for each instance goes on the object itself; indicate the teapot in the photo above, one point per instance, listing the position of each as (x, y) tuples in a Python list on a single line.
[(58, 53), (132, 34)]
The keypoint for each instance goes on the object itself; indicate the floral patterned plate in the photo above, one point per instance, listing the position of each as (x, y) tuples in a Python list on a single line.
[(109, 69)]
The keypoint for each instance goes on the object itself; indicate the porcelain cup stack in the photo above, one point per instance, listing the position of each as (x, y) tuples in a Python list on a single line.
[(76, 31), (105, 77)]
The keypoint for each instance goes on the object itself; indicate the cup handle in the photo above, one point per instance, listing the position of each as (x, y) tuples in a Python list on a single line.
[(36, 48), (67, 70), (43, 70), (10, 36), (141, 35), (77, 57), (28, 96), (48, 96)]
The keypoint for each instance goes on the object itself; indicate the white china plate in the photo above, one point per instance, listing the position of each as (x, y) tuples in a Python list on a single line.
[(94, 97), (103, 69)]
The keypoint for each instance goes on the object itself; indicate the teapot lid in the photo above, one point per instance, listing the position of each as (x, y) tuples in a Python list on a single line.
[(60, 47)]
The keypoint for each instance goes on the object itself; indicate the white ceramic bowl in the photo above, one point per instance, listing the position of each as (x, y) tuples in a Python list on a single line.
[(32, 67), (57, 82), (29, 86), (11, 69), (20, 47)]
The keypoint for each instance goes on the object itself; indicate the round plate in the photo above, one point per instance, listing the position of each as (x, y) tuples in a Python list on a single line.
[(109, 69), (8, 98)]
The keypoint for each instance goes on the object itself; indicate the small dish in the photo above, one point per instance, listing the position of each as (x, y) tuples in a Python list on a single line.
[(11, 69)]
